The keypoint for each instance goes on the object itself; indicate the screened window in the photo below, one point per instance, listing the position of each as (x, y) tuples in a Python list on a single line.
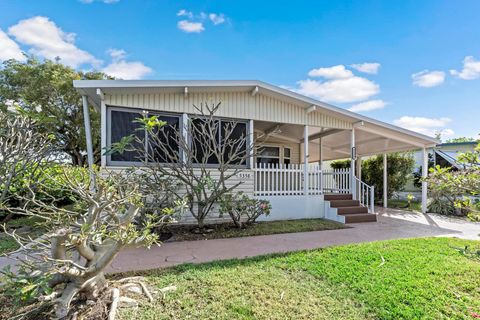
[(229, 135), (167, 136), (123, 123)]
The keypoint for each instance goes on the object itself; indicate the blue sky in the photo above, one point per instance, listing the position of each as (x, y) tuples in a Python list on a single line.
[(318, 48)]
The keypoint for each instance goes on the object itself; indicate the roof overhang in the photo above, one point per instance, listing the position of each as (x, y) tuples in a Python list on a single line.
[(94, 89)]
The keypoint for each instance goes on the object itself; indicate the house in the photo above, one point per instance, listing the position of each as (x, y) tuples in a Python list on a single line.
[(296, 134), (443, 154)]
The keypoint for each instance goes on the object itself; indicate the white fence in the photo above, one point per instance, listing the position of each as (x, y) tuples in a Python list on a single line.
[(281, 179), (336, 181)]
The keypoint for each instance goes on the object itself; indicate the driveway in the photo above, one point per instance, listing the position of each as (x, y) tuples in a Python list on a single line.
[(391, 224)]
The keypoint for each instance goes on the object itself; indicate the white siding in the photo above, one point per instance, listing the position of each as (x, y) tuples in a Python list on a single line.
[(239, 105)]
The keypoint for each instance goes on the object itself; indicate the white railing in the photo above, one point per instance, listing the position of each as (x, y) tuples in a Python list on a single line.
[(365, 194), (315, 181), (282, 179), (336, 181)]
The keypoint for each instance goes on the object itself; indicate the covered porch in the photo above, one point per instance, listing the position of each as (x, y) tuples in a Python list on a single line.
[(290, 159)]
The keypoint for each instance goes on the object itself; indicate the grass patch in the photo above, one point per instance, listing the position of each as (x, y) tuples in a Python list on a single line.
[(403, 204), (419, 279), (218, 231)]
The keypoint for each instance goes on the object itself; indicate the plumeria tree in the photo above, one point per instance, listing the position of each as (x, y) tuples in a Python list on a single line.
[(461, 187), (202, 162), (69, 262), (24, 153)]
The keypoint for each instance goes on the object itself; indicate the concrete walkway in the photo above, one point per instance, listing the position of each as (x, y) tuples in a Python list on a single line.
[(391, 224)]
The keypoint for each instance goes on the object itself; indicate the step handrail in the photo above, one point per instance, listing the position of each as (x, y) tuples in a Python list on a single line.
[(365, 194)]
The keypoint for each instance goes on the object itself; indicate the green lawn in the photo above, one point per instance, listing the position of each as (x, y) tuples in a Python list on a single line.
[(403, 204), (402, 279), (182, 233)]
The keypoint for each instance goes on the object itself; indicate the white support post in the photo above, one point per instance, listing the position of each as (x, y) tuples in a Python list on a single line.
[(251, 146), (424, 183), (103, 134), (385, 181), (305, 160), (352, 164), (184, 134), (320, 163), (88, 136)]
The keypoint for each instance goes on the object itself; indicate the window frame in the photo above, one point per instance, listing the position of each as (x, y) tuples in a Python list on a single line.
[(281, 153), (115, 163), (247, 138)]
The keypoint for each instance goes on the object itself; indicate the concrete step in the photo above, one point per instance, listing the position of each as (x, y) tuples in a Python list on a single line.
[(344, 203), (360, 217), (337, 196), (352, 210)]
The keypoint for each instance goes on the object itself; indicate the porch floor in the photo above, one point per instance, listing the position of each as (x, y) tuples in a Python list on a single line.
[(392, 224)]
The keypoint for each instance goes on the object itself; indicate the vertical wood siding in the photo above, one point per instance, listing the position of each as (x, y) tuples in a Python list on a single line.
[(239, 105)]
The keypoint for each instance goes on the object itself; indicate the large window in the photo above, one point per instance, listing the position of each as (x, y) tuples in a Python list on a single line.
[(123, 123), (164, 148), (231, 136)]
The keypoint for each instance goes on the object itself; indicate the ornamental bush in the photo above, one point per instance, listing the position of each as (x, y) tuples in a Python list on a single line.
[(242, 209)]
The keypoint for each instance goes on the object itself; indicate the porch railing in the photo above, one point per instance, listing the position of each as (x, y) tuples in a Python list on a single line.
[(278, 179), (365, 194), (336, 181), (282, 179)]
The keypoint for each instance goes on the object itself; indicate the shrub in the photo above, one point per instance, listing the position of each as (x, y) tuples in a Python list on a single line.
[(341, 164), (242, 209), (441, 206)]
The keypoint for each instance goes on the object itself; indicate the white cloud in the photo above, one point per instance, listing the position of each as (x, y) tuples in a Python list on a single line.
[(217, 18), (117, 54), (335, 72), (193, 23), (339, 90), (367, 67), (428, 79), (126, 70), (47, 40), (470, 71), (428, 126), (368, 106), (185, 13), (9, 49), (190, 27)]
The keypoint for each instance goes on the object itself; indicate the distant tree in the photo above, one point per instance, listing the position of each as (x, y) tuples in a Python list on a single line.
[(341, 164), (399, 170), (45, 88), (461, 139)]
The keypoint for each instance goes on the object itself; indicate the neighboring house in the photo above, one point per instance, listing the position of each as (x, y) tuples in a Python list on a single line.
[(295, 133), (444, 155)]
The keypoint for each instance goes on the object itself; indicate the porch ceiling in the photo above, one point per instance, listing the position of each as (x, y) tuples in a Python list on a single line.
[(336, 143)]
